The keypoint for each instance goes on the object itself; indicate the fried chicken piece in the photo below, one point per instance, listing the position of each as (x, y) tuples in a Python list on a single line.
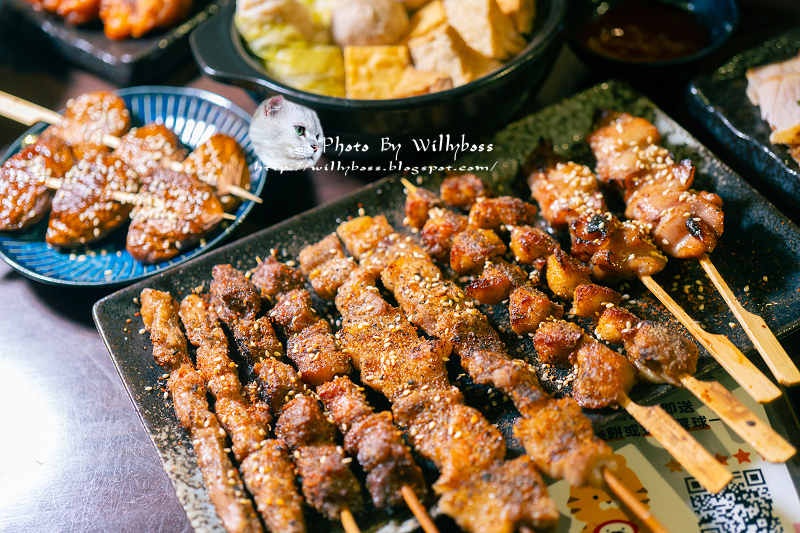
[(565, 274), (495, 213), (24, 195), (661, 354), (418, 202), (530, 244), (473, 247), (556, 341), (463, 190), (273, 278), (618, 142), (602, 376), (528, 308), (438, 232), (376, 442), (496, 282), (219, 161), (176, 212), (613, 323), (85, 208), (134, 18), (90, 116), (591, 300), (508, 497), (150, 146)]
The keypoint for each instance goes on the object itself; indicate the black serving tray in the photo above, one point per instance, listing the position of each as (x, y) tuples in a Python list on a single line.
[(759, 241), (719, 102)]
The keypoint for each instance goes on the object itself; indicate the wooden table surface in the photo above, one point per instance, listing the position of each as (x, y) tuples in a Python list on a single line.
[(73, 454)]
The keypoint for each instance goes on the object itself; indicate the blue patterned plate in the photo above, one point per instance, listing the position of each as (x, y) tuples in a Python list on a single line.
[(194, 115)]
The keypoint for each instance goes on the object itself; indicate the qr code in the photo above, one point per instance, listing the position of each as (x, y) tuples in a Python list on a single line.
[(744, 506)]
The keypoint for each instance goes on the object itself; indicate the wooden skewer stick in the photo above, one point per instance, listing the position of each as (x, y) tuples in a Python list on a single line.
[(419, 510), (29, 114), (631, 502), (727, 355), (348, 522), (677, 441), (740, 419), (774, 355)]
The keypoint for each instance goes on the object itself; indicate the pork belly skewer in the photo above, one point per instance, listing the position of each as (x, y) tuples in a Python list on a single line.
[(686, 223), (266, 467), (95, 122), (602, 239), (328, 484), (624, 250), (373, 439), (187, 386), (479, 490)]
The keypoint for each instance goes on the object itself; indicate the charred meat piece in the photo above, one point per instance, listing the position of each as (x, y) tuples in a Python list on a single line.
[(220, 162), (88, 118), (376, 442), (274, 279), (418, 202), (438, 231), (361, 235), (238, 297), (473, 247), (564, 190), (528, 308), (123, 19), (294, 313), (530, 244), (316, 255), (302, 423), (463, 190), (159, 312), (176, 212), (591, 300), (560, 440), (317, 356), (660, 353), (508, 497), (86, 206), (495, 213), (565, 274), (556, 341), (150, 146), (496, 282), (329, 276), (24, 194), (602, 376)]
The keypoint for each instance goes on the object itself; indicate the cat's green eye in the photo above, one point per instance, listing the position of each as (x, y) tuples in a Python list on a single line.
[(300, 130)]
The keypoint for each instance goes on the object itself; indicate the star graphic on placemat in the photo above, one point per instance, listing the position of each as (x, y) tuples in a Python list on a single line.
[(723, 459), (742, 456), (674, 466)]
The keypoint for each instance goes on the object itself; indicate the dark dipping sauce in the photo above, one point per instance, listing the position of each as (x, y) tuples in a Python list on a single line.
[(642, 31)]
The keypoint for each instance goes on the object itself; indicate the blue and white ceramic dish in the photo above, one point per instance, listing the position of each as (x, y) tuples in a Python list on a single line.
[(194, 115)]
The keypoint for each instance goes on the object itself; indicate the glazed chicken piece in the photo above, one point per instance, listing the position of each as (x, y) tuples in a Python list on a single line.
[(591, 300), (620, 143), (418, 202), (496, 282), (463, 190), (565, 273), (88, 118), (562, 189), (123, 19), (438, 232), (73, 11), (495, 213), (220, 162), (614, 323), (24, 194), (473, 247), (86, 207), (150, 146), (175, 213), (615, 249), (555, 342), (528, 308)]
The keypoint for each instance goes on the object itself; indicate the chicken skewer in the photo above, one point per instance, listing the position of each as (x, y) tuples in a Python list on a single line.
[(265, 463), (77, 128), (528, 307), (686, 223), (328, 483), (312, 348), (479, 490), (191, 407), (553, 185)]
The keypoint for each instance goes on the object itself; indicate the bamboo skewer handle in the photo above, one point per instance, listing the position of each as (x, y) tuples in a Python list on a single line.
[(677, 441), (774, 355), (727, 355), (25, 112), (420, 513), (348, 522), (740, 419), (631, 502)]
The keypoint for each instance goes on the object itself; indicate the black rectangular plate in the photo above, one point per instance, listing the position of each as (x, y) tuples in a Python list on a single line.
[(719, 102), (759, 241), (125, 62)]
